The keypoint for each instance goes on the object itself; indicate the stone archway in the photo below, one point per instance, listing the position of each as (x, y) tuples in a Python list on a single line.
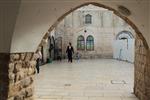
[(18, 69), (142, 53)]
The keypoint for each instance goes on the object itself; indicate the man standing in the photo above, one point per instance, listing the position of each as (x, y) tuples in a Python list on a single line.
[(69, 52), (39, 57)]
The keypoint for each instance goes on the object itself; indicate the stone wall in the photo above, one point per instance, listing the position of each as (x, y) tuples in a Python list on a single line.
[(17, 76), (142, 71)]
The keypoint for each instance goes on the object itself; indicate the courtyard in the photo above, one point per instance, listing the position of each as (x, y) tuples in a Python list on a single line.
[(96, 79)]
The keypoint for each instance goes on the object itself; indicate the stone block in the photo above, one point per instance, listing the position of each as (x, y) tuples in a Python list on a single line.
[(148, 92), (19, 76), (22, 56), (137, 66), (29, 92), (142, 68), (137, 57), (139, 42), (34, 57), (11, 78), (27, 82), (140, 94), (19, 97), (144, 59), (28, 56), (14, 57), (18, 67), (14, 90), (143, 51), (147, 82), (30, 98), (147, 72), (11, 98), (11, 67), (31, 71), (32, 64), (26, 64), (137, 49)]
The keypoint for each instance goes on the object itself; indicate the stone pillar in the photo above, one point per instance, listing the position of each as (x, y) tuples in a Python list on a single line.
[(17, 76), (147, 77), (142, 71)]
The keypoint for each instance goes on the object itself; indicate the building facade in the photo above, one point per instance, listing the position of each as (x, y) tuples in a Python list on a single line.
[(92, 31)]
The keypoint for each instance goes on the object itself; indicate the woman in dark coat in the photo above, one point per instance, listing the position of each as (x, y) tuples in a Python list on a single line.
[(69, 52)]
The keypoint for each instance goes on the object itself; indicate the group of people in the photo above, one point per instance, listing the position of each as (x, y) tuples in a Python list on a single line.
[(69, 51)]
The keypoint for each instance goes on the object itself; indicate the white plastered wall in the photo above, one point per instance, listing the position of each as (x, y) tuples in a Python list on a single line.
[(8, 16)]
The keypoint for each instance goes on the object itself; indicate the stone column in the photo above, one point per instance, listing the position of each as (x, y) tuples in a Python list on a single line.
[(17, 76), (142, 71), (147, 77)]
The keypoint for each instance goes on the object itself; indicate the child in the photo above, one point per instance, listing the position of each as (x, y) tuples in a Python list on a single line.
[(77, 56)]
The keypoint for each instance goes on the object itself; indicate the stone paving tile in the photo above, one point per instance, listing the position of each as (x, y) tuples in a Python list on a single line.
[(130, 99), (86, 80), (49, 98), (76, 93), (113, 94), (94, 93), (104, 98), (75, 98), (129, 95)]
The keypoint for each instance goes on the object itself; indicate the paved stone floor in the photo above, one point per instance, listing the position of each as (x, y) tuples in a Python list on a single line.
[(102, 79)]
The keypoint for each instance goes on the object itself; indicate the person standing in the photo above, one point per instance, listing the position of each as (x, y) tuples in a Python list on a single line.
[(39, 57), (69, 52), (77, 56)]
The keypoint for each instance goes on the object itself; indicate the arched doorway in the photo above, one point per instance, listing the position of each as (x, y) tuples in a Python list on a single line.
[(124, 46)]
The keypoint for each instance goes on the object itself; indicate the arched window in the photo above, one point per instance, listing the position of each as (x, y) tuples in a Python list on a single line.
[(80, 43), (90, 43), (88, 19)]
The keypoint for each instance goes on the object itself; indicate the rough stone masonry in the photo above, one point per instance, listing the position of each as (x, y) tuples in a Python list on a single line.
[(142, 71), (17, 76)]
